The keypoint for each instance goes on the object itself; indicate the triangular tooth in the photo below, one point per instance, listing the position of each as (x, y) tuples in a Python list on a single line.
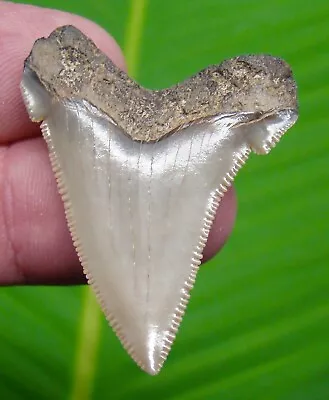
[(140, 212)]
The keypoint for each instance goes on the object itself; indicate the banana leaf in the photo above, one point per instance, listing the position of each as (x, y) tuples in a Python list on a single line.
[(257, 326)]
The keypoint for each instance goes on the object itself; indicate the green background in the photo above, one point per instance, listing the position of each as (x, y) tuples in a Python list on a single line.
[(258, 323)]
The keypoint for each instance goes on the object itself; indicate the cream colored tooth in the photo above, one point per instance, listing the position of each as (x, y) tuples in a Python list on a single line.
[(142, 172)]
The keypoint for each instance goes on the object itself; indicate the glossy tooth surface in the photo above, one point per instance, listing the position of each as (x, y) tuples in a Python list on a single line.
[(140, 211)]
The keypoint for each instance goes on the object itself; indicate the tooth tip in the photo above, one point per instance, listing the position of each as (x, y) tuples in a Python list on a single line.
[(152, 369), (154, 347), (152, 366), (150, 351)]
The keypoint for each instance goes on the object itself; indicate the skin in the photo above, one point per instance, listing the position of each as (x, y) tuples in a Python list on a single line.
[(35, 244)]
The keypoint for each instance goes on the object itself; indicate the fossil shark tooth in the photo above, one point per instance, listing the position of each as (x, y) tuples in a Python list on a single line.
[(142, 172)]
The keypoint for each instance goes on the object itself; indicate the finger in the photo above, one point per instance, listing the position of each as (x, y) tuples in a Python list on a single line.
[(223, 225), (20, 26), (35, 245), (34, 241)]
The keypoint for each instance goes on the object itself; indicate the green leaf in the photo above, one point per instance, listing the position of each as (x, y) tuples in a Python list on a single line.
[(257, 326)]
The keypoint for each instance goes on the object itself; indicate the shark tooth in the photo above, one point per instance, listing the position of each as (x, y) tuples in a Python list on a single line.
[(142, 172)]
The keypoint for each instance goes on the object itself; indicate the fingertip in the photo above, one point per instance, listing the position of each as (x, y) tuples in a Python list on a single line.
[(223, 224)]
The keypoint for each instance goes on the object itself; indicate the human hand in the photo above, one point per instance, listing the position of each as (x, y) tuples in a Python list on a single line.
[(35, 244)]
